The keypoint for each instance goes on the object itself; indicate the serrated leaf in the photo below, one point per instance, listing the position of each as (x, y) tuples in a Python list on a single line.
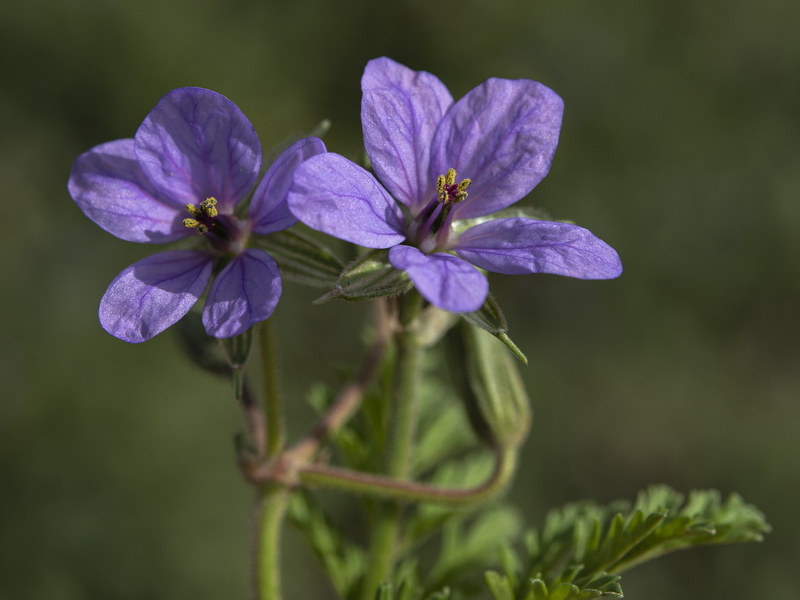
[(301, 258), (344, 563), (587, 545)]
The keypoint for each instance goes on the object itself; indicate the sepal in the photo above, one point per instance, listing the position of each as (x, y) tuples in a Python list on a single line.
[(461, 225), (202, 349), (495, 398), (237, 351), (301, 258), (368, 277), (490, 317)]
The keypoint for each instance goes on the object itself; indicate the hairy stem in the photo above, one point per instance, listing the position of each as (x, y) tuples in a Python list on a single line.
[(398, 458), (386, 487), (349, 398), (270, 510), (272, 401)]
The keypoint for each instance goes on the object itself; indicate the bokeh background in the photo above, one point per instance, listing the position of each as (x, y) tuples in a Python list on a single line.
[(680, 147)]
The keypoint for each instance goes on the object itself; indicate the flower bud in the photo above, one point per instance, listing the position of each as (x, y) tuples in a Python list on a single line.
[(497, 404)]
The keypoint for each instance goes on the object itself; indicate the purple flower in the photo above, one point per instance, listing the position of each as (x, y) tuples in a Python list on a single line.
[(441, 162), (191, 162)]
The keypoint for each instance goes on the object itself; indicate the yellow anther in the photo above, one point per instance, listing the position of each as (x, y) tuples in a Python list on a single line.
[(464, 184), (450, 179), (193, 210), (191, 223), (208, 206), (201, 228)]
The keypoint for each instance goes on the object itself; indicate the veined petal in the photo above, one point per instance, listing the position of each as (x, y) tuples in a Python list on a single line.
[(333, 195), (153, 293), (245, 292), (502, 135), (400, 110), (443, 280), (111, 189), (516, 246), (268, 209), (197, 144)]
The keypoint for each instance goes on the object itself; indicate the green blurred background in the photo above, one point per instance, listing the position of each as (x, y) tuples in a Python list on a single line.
[(679, 147)]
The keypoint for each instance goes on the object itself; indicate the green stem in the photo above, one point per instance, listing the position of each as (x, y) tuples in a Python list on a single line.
[(273, 498), (272, 401), (271, 505), (403, 423), (386, 487)]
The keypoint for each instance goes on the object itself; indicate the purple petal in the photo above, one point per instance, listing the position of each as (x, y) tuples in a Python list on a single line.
[(502, 135), (516, 246), (268, 209), (245, 292), (197, 144), (400, 111), (111, 189), (331, 194), (152, 294), (443, 280)]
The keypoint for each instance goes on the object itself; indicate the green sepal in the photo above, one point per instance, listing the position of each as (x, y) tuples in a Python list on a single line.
[(369, 276), (237, 351), (202, 349), (490, 317), (301, 258), (495, 399)]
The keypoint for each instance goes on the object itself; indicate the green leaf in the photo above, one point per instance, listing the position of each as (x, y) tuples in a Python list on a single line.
[(301, 258), (499, 585), (587, 545), (490, 317), (343, 562), (370, 276)]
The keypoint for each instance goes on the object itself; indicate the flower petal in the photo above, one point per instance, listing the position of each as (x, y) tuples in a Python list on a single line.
[(152, 294), (400, 111), (196, 144), (516, 246), (502, 135), (111, 189), (245, 292), (268, 209), (443, 280), (331, 194)]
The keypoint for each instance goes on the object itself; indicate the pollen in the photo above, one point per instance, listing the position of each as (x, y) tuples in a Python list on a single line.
[(202, 215), (448, 191)]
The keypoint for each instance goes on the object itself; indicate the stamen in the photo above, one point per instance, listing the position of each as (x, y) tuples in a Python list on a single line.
[(446, 189), (202, 216), (208, 206)]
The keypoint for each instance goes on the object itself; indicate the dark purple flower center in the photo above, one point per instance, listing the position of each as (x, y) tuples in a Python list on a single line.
[(431, 227), (224, 233)]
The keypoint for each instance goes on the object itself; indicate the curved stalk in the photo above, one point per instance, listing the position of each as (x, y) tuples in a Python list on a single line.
[(386, 487)]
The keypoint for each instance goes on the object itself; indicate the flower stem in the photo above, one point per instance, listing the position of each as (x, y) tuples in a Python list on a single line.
[(403, 423), (386, 487), (349, 398), (272, 498), (271, 504), (272, 401)]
